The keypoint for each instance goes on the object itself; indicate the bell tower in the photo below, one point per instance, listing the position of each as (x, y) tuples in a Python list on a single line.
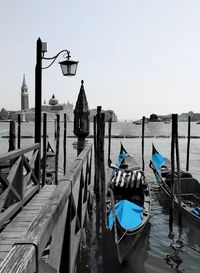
[(24, 95)]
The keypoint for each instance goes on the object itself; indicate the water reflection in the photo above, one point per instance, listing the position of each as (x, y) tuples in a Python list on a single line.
[(173, 259), (135, 261)]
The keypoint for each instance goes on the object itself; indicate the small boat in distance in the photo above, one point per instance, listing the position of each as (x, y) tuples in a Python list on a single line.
[(128, 203), (190, 187), (137, 122)]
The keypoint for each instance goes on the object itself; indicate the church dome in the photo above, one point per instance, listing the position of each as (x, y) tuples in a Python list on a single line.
[(53, 101)]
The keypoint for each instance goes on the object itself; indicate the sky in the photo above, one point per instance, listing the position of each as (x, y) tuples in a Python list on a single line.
[(136, 57)]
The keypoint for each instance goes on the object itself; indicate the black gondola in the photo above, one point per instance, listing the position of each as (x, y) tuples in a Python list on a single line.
[(189, 187), (128, 203)]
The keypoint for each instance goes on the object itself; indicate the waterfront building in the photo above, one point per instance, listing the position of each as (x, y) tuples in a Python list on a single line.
[(3, 114), (109, 114), (52, 109)]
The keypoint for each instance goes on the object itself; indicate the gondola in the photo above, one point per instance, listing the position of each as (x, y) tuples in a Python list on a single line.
[(189, 187), (128, 203)]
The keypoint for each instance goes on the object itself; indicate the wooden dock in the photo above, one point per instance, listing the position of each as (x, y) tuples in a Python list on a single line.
[(20, 224), (47, 228)]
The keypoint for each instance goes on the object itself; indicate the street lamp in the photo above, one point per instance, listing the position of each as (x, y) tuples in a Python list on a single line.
[(68, 67)]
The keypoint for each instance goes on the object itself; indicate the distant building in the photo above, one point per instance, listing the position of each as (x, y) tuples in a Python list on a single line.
[(4, 115), (109, 114), (24, 95), (192, 115), (154, 118), (52, 109)]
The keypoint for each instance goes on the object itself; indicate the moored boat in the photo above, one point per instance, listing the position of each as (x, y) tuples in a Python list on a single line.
[(128, 203), (189, 187)]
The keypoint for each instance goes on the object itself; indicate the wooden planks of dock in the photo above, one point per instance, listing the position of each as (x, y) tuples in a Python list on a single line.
[(19, 225)]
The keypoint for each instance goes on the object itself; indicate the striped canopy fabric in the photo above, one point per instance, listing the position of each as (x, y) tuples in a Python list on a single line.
[(131, 179)]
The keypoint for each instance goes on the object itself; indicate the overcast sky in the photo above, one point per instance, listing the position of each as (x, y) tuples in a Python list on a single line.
[(136, 57)]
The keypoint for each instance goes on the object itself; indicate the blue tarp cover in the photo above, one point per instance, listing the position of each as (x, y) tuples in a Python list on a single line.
[(158, 160), (128, 214), (121, 157), (196, 211)]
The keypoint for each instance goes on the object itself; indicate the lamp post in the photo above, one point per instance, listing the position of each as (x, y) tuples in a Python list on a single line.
[(68, 67)]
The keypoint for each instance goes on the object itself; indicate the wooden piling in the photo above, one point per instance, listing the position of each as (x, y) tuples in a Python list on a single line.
[(44, 149), (55, 128), (143, 126), (57, 148), (19, 132), (102, 167), (178, 184), (98, 190), (109, 139), (171, 216), (64, 143), (12, 136), (188, 145), (95, 153)]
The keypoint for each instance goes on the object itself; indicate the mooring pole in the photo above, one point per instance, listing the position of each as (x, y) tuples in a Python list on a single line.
[(57, 149), (44, 149), (98, 192), (12, 136), (178, 188), (95, 153), (188, 145), (143, 126), (171, 216), (109, 139), (19, 131), (64, 143)]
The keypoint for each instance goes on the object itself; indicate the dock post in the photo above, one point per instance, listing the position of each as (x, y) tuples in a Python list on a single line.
[(12, 136), (109, 139), (95, 153), (19, 131), (55, 128), (44, 149), (143, 125), (57, 149), (98, 135), (171, 216), (64, 143), (102, 169), (188, 145), (178, 184)]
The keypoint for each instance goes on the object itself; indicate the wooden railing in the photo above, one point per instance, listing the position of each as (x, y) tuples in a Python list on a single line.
[(57, 227), (17, 180)]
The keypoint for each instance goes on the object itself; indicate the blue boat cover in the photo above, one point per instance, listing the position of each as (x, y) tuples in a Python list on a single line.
[(158, 160), (123, 154), (128, 214), (196, 211)]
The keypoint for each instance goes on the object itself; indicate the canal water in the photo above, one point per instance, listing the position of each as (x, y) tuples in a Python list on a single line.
[(158, 250)]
